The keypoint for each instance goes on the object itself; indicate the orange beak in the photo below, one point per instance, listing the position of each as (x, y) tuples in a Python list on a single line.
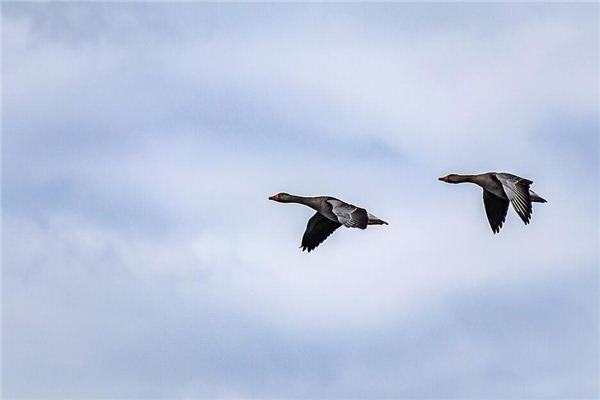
[(443, 178), (274, 197)]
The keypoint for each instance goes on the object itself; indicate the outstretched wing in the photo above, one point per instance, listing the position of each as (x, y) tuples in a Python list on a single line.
[(517, 191), (349, 215), (318, 229), (496, 209)]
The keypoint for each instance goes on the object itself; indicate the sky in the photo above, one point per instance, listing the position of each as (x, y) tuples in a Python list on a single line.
[(142, 259)]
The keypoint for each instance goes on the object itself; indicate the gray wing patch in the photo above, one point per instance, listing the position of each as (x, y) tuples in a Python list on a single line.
[(517, 191), (349, 215)]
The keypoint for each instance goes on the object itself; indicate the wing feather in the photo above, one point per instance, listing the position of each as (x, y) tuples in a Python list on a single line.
[(517, 191), (349, 215), (496, 209), (318, 229)]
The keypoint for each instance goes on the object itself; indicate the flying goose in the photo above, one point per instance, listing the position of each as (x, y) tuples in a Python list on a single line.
[(500, 188), (331, 214)]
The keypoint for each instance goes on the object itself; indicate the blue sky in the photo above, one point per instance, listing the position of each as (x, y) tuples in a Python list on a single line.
[(142, 259)]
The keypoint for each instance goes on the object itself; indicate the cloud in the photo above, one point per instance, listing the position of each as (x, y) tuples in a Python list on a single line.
[(113, 332), (139, 242), (472, 85)]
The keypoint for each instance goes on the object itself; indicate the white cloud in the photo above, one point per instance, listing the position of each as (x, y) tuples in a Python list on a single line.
[(432, 93), (147, 160)]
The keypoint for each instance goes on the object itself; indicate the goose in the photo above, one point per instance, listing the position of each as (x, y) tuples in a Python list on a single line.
[(331, 214), (499, 189)]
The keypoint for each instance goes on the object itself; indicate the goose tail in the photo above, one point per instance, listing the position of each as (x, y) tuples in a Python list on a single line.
[(373, 220)]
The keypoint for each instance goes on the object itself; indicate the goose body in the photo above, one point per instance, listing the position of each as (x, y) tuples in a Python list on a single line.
[(331, 213), (500, 189)]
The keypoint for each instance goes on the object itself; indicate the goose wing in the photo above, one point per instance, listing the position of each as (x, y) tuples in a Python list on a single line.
[(318, 229), (495, 209), (349, 215), (517, 191)]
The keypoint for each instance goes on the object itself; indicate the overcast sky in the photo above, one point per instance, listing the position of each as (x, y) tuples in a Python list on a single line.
[(142, 259)]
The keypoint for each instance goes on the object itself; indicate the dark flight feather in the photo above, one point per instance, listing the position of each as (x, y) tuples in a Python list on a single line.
[(318, 229)]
